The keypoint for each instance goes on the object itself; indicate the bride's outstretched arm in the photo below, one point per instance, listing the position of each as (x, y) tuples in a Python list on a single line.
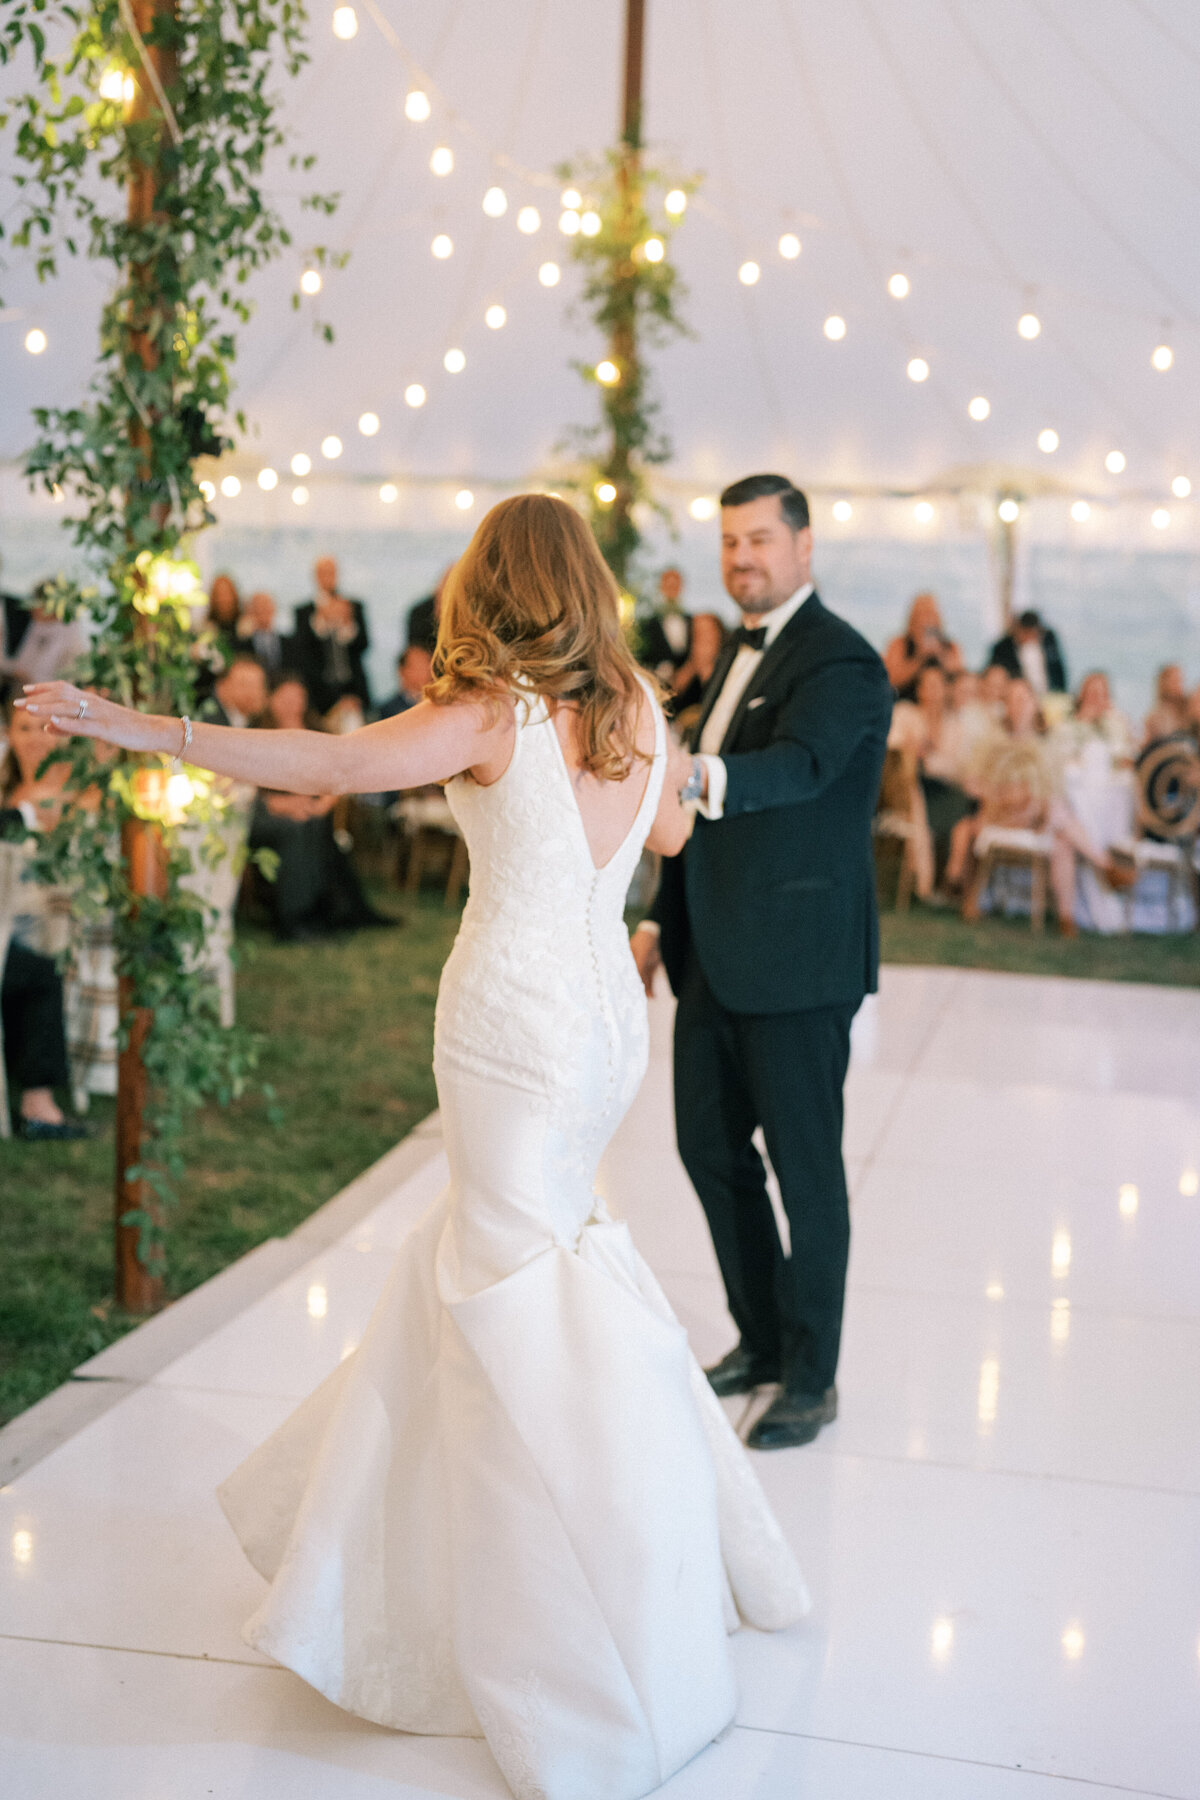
[(428, 743)]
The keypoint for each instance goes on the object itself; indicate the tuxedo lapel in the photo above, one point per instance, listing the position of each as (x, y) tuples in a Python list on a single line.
[(773, 656)]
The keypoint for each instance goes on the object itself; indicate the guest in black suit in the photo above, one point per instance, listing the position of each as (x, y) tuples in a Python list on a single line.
[(767, 927), (1031, 652), (329, 643), (424, 617), (258, 633), (15, 618), (240, 696), (665, 636)]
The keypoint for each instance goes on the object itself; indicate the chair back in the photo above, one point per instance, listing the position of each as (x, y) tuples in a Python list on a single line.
[(12, 868), (899, 789)]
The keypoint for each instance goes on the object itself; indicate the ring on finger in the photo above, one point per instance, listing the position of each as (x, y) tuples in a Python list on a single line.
[(82, 713)]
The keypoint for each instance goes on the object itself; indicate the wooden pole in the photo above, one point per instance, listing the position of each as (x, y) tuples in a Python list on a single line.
[(139, 1287), (631, 101), (623, 346)]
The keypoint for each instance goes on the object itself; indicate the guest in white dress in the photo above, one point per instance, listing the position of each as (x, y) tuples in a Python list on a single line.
[(517, 1510)]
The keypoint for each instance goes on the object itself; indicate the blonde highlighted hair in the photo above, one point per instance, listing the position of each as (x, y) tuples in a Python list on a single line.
[(531, 605)]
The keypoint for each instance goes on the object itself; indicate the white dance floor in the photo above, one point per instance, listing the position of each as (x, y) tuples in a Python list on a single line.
[(1002, 1531)]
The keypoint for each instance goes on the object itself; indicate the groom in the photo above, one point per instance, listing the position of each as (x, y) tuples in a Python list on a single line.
[(767, 928)]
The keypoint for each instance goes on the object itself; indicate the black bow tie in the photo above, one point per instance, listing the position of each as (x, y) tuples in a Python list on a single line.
[(754, 637)]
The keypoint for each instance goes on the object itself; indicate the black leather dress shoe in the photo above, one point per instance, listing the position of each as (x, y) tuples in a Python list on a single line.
[(41, 1131), (793, 1419), (741, 1372)]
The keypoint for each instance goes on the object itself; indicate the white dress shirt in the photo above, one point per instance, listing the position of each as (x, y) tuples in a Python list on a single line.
[(1032, 658), (741, 673)]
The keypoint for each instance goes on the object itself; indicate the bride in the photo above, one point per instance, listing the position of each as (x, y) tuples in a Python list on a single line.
[(517, 1510)]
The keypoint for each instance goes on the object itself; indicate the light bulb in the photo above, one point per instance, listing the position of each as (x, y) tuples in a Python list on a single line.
[(414, 394), (301, 464), (1048, 441), (331, 447), (703, 507), (923, 512), (789, 246), (454, 362), (464, 499), (979, 408), (231, 487), (749, 273), (495, 203), (676, 203), (1114, 462), (842, 510), (35, 341), (1162, 358), (345, 22), (1081, 512), (389, 493), (1009, 511), (529, 220), (1189, 1184), (606, 493), (834, 328), (416, 106), (1127, 1199), (568, 224), (442, 246), (368, 423), (607, 373), (112, 84), (310, 281), (572, 199), (654, 250), (899, 286), (495, 317), (1160, 518), (299, 496), (267, 480), (1181, 487), (1029, 325), (442, 160), (590, 223), (550, 274), (207, 490), (918, 369), (1072, 1643)]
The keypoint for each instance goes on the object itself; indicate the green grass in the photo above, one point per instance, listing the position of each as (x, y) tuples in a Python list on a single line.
[(923, 935), (349, 1027)]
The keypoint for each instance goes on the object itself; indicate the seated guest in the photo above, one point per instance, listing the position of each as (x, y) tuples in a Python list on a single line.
[(1032, 651), (38, 793), (922, 642), (328, 646), (35, 1048), (665, 635), (217, 644), (414, 672), (694, 674), (424, 616), (1170, 713), (257, 633), (993, 691), (934, 736), (240, 695), (315, 890), (1094, 721), (968, 705), (45, 647)]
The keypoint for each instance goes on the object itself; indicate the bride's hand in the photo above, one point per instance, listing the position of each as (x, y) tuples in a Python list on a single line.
[(66, 711)]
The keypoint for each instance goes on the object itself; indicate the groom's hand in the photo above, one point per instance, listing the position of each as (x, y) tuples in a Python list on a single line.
[(647, 954)]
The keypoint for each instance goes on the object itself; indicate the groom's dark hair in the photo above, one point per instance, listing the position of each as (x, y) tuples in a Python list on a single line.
[(793, 502)]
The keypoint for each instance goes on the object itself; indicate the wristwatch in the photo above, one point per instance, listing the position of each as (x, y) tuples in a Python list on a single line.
[(693, 787)]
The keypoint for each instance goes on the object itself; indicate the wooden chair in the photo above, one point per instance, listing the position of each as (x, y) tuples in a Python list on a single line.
[(12, 867), (900, 819), (1012, 847), (429, 828)]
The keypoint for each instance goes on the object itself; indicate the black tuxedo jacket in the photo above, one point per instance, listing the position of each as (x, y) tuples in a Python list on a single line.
[(309, 655), (777, 898), (1005, 652), (654, 646)]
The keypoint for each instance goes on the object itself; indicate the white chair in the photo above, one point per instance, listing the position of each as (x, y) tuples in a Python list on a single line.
[(12, 868), (1177, 863), (1012, 847)]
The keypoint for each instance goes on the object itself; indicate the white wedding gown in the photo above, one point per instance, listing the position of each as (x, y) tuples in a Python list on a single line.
[(518, 1510)]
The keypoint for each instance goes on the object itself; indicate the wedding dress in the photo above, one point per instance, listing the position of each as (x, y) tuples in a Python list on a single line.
[(518, 1510)]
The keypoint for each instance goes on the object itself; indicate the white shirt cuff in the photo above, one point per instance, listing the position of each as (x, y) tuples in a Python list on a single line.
[(712, 806)]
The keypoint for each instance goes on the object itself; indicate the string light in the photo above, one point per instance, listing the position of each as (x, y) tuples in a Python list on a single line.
[(231, 487), (703, 507), (749, 273), (1029, 325), (590, 223), (1048, 441), (268, 480), (1081, 512), (416, 106), (299, 496), (899, 286), (1162, 358), (1114, 462), (1127, 1199), (310, 281), (675, 203), (495, 203), (1072, 1643), (454, 362), (464, 499), (941, 1639), (442, 160), (116, 84), (1060, 1253), (654, 250), (301, 464), (368, 423), (495, 317), (789, 246), (1189, 1184), (918, 369), (208, 491), (389, 493), (345, 23), (979, 408), (834, 328), (572, 199), (529, 220), (550, 274), (923, 512), (842, 510), (442, 246), (35, 341), (605, 492), (994, 1290), (1009, 511), (1060, 1320), (568, 223), (414, 394), (1160, 518), (1181, 487), (607, 373), (331, 447)]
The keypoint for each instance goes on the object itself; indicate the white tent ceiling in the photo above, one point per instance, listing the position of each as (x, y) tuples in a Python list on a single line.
[(1041, 156)]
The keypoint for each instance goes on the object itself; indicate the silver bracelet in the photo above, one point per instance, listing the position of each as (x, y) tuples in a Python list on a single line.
[(185, 746), (693, 787)]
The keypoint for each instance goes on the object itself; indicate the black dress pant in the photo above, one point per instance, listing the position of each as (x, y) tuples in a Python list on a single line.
[(31, 998), (316, 884), (785, 1072)]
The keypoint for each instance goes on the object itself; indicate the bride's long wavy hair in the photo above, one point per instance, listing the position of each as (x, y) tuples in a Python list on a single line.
[(531, 603)]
